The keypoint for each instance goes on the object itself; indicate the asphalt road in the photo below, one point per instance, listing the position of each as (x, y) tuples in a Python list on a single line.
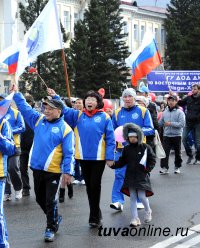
[(176, 204)]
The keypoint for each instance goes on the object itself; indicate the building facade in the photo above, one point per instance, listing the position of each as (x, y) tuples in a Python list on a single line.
[(137, 20)]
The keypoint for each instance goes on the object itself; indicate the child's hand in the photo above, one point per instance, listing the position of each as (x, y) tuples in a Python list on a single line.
[(109, 163)]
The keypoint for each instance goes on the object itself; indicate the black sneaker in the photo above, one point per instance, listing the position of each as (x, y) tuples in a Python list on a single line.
[(189, 160), (95, 225), (70, 190), (61, 195), (25, 192)]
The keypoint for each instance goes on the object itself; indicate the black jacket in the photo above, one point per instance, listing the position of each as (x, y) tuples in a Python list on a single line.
[(193, 109), (27, 139), (137, 176)]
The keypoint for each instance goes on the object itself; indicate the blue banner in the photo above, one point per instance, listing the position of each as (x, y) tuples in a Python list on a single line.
[(178, 81)]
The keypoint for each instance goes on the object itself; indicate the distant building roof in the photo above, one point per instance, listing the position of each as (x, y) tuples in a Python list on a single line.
[(154, 9)]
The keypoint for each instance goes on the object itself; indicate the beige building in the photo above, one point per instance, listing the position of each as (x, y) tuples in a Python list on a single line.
[(137, 20)]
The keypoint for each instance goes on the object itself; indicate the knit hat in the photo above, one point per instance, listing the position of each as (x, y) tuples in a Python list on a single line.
[(129, 92), (143, 99)]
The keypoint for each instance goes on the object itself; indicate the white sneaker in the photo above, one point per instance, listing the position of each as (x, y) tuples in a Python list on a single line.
[(7, 197), (140, 205), (117, 206), (76, 182), (177, 170), (197, 162), (164, 171), (148, 216), (135, 222), (18, 194), (83, 182)]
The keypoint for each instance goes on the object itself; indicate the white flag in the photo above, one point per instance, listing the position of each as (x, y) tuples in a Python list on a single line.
[(43, 36), (143, 160)]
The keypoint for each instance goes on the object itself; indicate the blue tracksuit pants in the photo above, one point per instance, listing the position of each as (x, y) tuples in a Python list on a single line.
[(3, 228)]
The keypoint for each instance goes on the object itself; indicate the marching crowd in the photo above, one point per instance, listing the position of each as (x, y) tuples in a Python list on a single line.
[(63, 141)]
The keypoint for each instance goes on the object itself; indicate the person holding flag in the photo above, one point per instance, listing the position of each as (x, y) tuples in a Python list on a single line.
[(140, 160), (7, 148), (55, 139)]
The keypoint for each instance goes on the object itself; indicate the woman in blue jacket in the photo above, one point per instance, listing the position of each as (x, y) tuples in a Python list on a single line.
[(94, 146)]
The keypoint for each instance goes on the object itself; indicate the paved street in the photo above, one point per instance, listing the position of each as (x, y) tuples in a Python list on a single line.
[(176, 204)]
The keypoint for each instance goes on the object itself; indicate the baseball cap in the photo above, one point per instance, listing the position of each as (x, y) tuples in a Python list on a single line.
[(3, 95), (129, 92), (172, 97), (54, 103), (143, 89)]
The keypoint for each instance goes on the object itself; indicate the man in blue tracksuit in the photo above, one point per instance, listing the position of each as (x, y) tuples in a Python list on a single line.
[(7, 148), (130, 113), (52, 153)]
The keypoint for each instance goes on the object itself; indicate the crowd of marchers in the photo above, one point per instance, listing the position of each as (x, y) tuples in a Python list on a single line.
[(70, 142)]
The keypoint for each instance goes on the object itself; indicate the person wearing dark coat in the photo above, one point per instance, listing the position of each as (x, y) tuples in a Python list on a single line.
[(140, 160), (26, 144)]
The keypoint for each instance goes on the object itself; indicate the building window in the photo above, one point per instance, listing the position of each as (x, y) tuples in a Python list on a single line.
[(135, 32), (162, 36), (67, 21), (125, 27), (156, 34), (142, 32), (7, 86), (76, 17)]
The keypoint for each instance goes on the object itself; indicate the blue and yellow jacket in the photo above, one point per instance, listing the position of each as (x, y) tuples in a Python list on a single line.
[(94, 135), (137, 115), (16, 121), (7, 146), (53, 143)]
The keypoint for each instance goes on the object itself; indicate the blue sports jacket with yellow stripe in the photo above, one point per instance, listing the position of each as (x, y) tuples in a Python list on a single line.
[(7, 146), (94, 135), (53, 143), (16, 121), (137, 115)]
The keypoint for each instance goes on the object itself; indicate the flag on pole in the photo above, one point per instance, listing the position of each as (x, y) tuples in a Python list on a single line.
[(145, 59), (10, 56), (5, 104), (43, 36)]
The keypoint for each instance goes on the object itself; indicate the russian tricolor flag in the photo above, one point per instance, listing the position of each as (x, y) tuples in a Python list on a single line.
[(10, 56), (145, 59)]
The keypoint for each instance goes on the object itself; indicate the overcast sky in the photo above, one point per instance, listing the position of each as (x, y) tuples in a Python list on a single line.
[(159, 3)]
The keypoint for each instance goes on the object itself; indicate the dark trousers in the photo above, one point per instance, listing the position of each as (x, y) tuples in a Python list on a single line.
[(168, 144), (45, 187), (77, 171), (14, 176), (92, 172), (24, 157), (196, 131)]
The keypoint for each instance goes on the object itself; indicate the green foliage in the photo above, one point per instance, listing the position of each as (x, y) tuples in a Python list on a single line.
[(183, 30), (99, 49), (49, 65)]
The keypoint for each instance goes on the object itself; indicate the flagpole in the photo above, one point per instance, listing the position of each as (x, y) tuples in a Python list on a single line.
[(66, 74), (165, 76)]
